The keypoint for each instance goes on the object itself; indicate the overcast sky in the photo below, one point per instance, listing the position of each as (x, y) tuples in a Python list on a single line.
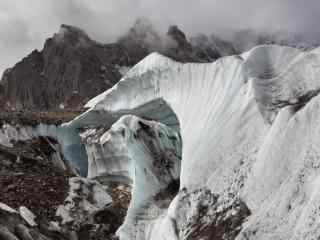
[(25, 24)]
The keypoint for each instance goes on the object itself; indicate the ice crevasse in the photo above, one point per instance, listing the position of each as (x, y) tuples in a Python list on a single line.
[(249, 124)]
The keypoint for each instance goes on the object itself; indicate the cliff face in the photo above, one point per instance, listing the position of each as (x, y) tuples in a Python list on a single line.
[(24, 80), (73, 68), (69, 64)]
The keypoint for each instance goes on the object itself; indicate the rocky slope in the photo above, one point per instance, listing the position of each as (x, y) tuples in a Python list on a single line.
[(29, 178), (70, 69), (47, 199)]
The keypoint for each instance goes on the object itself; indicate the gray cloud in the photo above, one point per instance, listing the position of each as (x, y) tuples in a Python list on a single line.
[(25, 24)]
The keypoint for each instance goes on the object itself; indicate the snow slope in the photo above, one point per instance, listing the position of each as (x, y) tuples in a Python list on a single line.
[(250, 131)]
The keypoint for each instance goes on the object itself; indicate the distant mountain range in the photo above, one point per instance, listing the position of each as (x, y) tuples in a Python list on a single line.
[(72, 68)]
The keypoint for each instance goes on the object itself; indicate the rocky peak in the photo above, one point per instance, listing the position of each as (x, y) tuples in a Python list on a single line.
[(69, 62), (212, 46), (142, 33), (72, 35), (176, 34)]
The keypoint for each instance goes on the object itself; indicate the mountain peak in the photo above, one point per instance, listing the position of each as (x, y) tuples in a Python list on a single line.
[(142, 32), (180, 38), (72, 34)]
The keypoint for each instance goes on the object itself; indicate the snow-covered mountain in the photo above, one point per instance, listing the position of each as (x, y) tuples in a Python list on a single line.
[(249, 126)]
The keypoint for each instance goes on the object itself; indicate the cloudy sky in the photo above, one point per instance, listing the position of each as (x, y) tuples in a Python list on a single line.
[(25, 24)]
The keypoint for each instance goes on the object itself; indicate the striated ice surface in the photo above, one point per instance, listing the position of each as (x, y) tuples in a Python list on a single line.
[(250, 135), (143, 153)]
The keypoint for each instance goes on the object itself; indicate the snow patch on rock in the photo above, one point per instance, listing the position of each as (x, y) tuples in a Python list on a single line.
[(28, 216), (5, 207)]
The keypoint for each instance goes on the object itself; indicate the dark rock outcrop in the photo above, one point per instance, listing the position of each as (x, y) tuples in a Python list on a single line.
[(140, 40), (212, 47), (70, 62)]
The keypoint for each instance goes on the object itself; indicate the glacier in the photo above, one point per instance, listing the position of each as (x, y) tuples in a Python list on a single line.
[(245, 134)]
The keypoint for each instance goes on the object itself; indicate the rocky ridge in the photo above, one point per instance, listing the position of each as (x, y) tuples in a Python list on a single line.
[(72, 68)]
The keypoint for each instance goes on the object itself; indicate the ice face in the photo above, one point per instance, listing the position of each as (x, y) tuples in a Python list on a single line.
[(249, 126), (144, 153)]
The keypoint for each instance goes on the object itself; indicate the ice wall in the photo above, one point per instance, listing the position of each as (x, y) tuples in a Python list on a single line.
[(249, 126), (146, 154)]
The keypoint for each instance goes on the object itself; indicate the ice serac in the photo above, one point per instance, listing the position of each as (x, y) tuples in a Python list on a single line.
[(250, 154), (144, 153)]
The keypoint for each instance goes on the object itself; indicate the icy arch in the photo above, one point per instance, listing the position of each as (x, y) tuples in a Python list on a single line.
[(190, 94), (229, 113)]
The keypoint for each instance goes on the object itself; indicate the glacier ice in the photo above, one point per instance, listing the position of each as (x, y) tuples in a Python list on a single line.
[(144, 153), (249, 126)]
